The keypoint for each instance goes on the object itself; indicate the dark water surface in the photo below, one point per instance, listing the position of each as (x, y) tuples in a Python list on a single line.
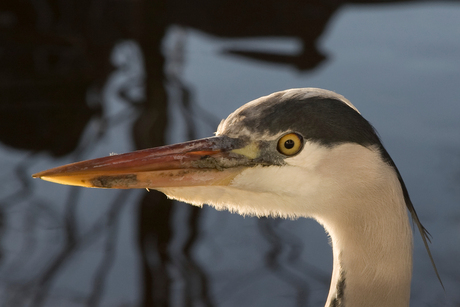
[(83, 82)]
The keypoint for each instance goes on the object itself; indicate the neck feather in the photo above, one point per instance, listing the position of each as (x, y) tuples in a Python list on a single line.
[(372, 254)]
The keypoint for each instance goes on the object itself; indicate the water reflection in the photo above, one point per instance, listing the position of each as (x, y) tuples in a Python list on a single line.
[(79, 80)]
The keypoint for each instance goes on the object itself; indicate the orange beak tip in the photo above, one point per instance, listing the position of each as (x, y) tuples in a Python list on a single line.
[(37, 176)]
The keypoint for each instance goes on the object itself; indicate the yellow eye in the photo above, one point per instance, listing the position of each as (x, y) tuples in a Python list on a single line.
[(290, 144)]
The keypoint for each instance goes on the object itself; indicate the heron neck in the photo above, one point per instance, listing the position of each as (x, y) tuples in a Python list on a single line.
[(372, 254)]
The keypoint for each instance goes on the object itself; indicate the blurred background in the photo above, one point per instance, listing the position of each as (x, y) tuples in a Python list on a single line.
[(83, 79)]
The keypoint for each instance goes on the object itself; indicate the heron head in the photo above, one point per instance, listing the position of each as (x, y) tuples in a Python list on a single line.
[(266, 157)]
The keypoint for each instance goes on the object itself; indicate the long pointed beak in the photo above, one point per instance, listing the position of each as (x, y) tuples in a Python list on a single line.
[(210, 161)]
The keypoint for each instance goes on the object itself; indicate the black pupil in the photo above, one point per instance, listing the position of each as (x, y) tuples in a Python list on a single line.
[(289, 144)]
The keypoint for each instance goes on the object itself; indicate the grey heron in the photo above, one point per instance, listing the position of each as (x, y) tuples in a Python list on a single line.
[(295, 153)]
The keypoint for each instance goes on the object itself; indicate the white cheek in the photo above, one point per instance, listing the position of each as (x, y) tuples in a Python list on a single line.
[(310, 157), (280, 180), (287, 179), (318, 181)]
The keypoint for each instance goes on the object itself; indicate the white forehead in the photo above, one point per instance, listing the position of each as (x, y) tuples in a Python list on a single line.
[(309, 92)]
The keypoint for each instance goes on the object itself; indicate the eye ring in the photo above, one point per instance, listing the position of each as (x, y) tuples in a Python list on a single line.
[(290, 144)]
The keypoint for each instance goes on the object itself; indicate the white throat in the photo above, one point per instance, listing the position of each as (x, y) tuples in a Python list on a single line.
[(372, 257), (358, 199)]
